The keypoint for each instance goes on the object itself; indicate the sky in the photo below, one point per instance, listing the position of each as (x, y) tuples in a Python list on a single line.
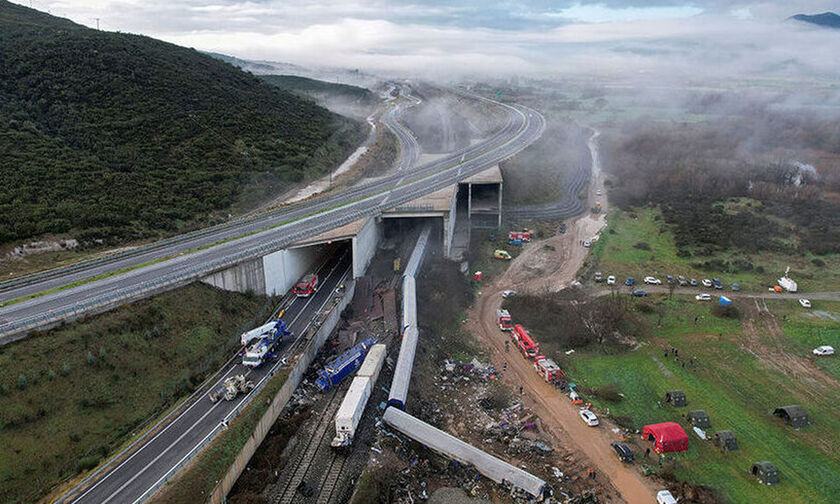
[(448, 38)]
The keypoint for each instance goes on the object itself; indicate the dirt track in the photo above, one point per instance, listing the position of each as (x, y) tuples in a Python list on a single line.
[(551, 265)]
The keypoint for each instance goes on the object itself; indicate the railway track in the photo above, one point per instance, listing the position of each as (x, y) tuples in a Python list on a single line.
[(286, 492)]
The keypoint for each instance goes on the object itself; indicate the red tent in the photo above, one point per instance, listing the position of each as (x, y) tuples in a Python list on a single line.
[(666, 437)]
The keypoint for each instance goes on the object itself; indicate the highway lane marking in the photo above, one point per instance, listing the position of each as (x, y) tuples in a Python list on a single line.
[(200, 420), (224, 376)]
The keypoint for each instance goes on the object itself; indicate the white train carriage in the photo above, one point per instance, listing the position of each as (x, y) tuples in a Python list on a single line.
[(419, 252), (409, 302), (402, 371), (494, 468)]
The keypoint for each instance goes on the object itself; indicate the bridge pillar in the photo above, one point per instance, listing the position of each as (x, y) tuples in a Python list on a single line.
[(246, 277), (365, 243)]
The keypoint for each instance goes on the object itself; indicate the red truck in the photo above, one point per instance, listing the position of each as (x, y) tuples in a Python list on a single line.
[(504, 320), (307, 286), (549, 370), (529, 348)]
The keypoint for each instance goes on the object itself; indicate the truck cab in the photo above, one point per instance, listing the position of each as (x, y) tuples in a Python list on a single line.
[(307, 286), (504, 320), (549, 370)]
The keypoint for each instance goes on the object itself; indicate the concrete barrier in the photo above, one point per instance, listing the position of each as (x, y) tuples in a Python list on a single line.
[(219, 494)]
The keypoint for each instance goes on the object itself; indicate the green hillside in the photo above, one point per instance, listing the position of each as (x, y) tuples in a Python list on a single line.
[(119, 137), (321, 89)]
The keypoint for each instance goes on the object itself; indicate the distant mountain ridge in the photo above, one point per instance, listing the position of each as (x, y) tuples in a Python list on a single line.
[(826, 19), (118, 137)]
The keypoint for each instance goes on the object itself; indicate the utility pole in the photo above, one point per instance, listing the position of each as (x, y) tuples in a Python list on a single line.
[(97, 24)]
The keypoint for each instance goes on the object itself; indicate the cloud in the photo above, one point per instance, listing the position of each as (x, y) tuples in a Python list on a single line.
[(447, 38)]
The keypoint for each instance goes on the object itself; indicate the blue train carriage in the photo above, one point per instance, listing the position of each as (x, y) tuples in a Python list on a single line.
[(344, 365)]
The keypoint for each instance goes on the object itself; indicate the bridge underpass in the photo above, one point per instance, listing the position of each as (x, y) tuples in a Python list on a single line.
[(474, 202)]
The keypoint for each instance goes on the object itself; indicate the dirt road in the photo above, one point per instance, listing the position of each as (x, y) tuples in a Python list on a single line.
[(551, 265)]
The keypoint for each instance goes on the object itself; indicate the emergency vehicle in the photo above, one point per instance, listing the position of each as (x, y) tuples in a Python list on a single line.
[(504, 320), (529, 348), (307, 286)]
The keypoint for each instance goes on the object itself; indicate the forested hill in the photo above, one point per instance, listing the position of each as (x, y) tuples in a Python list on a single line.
[(321, 89), (118, 137)]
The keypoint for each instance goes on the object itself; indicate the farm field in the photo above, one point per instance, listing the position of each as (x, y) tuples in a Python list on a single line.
[(638, 243), (73, 395), (744, 369)]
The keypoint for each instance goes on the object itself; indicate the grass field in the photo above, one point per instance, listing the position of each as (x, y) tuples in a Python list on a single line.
[(74, 394), (616, 253), (739, 390)]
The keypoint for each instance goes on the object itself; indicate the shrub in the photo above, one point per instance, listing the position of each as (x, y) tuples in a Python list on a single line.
[(87, 463), (642, 246), (90, 358), (102, 353), (65, 369), (51, 375), (21, 383), (609, 392), (645, 307), (4, 389), (726, 311), (818, 262)]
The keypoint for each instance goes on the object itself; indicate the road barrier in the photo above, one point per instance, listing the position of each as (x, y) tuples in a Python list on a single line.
[(282, 397)]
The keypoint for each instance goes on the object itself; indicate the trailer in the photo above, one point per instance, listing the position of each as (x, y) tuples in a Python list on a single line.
[(503, 320), (526, 344), (262, 350), (372, 364), (353, 406), (350, 412), (343, 366), (549, 370), (307, 286)]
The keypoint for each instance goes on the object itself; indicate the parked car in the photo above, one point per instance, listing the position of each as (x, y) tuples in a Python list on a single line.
[(508, 293), (589, 418), (652, 280), (693, 282), (622, 451), (669, 279), (824, 350), (630, 281), (598, 192), (735, 287), (805, 303), (703, 297), (587, 243), (707, 282), (682, 280), (717, 283), (611, 280), (665, 497), (598, 276), (639, 293)]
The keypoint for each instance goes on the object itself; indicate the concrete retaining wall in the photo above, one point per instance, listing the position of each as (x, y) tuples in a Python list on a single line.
[(364, 246), (245, 277), (285, 267), (281, 398)]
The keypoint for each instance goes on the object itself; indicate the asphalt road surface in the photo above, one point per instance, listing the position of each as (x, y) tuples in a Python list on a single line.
[(132, 479), (181, 260)]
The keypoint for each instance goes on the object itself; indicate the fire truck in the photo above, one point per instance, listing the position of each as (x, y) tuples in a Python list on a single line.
[(529, 348), (504, 320), (549, 370), (307, 286), (521, 236)]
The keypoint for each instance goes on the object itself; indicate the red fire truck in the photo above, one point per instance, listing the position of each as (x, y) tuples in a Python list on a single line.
[(307, 286), (526, 344), (549, 370), (504, 320)]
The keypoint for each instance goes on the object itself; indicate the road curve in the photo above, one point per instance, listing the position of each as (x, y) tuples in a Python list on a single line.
[(181, 260)]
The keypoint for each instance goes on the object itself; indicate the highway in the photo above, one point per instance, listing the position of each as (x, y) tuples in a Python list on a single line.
[(181, 260), (136, 476), (409, 147)]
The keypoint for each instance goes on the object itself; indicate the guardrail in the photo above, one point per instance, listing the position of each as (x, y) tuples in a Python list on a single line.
[(13, 331)]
